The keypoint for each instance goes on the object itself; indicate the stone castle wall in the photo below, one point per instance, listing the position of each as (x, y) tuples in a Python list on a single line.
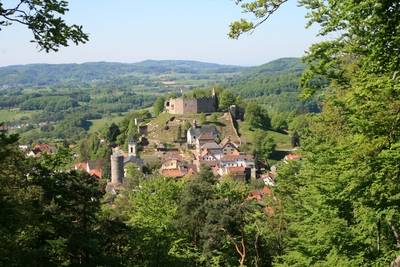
[(190, 105), (206, 105)]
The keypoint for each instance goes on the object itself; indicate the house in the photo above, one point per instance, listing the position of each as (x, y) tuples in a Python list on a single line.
[(207, 132), (205, 138), (233, 163), (291, 157), (206, 157), (176, 168), (228, 147), (269, 178), (211, 147), (238, 161), (92, 167), (260, 194), (39, 149), (237, 172)]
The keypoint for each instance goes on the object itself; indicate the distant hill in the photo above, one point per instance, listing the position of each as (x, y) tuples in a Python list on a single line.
[(275, 77), (53, 74), (275, 85)]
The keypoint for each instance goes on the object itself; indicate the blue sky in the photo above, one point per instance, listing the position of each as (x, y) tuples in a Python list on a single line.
[(133, 30)]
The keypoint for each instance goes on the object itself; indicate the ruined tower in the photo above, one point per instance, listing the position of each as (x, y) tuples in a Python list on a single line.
[(117, 168)]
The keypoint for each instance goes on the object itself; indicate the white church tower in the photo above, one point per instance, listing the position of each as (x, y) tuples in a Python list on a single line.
[(132, 148)]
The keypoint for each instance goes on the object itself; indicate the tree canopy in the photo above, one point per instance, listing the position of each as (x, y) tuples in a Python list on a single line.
[(44, 19), (341, 205)]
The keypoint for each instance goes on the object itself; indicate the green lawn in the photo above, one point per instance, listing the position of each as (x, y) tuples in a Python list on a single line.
[(282, 140), (13, 114), (101, 123)]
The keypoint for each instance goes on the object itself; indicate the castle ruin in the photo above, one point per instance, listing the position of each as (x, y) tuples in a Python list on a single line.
[(183, 105)]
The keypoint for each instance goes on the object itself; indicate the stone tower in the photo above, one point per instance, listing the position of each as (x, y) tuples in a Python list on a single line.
[(132, 148), (117, 168)]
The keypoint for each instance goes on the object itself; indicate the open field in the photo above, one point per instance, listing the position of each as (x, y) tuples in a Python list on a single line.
[(282, 140), (13, 114), (101, 123)]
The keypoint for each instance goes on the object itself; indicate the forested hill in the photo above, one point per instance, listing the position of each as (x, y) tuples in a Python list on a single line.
[(275, 85), (250, 81), (275, 77), (53, 74)]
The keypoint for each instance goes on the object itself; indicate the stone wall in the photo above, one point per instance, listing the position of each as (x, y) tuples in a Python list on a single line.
[(117, 168), (206, 105), (190, 105)]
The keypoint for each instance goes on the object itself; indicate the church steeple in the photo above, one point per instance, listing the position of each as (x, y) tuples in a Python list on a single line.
[(132, 148)]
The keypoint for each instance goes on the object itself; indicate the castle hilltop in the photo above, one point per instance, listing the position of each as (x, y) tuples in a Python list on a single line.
[(184, 105)]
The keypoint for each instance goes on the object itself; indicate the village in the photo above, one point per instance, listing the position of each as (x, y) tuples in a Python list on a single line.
[(216, 145), (182, 145)]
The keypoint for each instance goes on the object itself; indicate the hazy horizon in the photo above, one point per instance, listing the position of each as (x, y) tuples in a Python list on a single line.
[(150, 59)]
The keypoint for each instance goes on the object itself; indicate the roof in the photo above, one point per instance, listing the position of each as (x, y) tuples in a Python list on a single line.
[(259, 194), (133, 159), (206, 136), (227, 140), (237, 157), (234, 169), (80, 166), (293, 157), (96, 172), (95, 164), (205, 152), (210, 145), (176, 173), (196, 131)]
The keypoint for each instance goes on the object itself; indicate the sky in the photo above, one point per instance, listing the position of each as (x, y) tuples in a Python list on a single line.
[(132, 30)]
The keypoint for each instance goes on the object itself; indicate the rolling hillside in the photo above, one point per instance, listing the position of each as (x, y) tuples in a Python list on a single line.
[(53, 74), (275, 85)]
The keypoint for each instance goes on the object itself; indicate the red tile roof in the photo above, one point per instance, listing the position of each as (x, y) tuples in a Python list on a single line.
[(175, 173), (234, 169), (293, 157), (237, 157), (93, 171), (81, 166), (259, 194), (96, 172)]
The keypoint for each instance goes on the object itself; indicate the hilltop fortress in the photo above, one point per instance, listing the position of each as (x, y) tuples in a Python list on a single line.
[(184, 105)]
